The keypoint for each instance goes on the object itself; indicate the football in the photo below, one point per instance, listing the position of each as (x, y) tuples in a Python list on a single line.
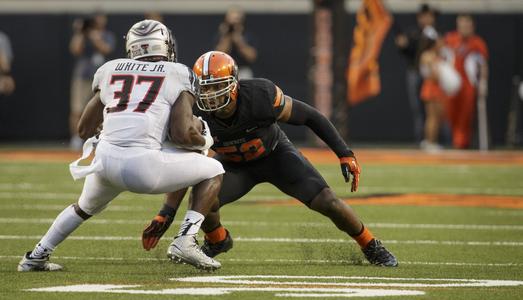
[(197, 123)]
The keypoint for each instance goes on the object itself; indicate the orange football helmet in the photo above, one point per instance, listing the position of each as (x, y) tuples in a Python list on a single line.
[(217, 74)]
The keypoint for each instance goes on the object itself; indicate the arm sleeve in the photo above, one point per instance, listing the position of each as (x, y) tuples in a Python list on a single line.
[(304, 114)]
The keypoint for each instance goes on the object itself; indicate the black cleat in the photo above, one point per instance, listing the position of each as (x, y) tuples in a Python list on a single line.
[(212, 250), (376, 254)]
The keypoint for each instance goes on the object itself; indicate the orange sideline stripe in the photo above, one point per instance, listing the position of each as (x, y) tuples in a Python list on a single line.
[(325, 156), (420, 200)]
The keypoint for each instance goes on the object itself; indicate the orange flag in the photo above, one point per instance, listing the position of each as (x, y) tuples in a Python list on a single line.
[(363, 78)]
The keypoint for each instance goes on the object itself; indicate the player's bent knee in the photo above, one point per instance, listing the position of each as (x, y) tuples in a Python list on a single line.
[(211, 168), (325, 202), (80, 212), (88, 207), (218, 178)]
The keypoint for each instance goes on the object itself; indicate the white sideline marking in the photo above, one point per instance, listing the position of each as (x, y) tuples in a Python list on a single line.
[(216, 291), (50, 220), (294, 286), (447, 226), (448, 282), (281, 260), (448, 190), (18, 186), (275, 224), (60, 207), (41, 195), (81, 238), (504, 213), (281, 240), (38, 195), (321, 261)]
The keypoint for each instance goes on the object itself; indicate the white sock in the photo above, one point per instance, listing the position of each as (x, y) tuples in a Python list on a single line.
[(64, 224), (191, 223)]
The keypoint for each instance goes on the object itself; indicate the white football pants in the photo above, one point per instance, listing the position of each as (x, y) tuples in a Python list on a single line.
[(143, 171)]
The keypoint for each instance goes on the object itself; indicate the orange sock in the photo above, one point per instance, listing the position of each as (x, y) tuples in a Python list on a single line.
[(364, 237), (216, 236)]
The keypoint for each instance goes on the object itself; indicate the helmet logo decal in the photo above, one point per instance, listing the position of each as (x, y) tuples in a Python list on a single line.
[(144, 48)]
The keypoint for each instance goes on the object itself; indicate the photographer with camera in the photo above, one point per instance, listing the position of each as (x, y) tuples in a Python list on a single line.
[(234, 40), (90, 44)]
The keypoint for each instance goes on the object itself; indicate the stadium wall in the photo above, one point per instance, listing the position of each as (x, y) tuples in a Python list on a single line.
[(38, 110)]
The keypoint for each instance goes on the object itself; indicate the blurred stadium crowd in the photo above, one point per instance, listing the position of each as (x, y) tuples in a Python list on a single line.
[(434, 74)]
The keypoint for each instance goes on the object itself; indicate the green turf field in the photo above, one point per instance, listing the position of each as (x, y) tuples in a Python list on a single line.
[(445, 252)]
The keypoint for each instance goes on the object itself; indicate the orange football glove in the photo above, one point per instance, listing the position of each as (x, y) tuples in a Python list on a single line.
[(349, 165), (154, 232)]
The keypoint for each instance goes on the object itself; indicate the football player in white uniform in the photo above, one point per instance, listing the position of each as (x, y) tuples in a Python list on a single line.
[(141, 100)]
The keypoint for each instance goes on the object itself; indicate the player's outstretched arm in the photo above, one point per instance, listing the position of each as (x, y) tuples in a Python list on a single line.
[(91, 118), (299, 113)]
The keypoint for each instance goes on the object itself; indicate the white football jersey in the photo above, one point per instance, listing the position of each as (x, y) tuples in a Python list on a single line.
[(138, 97)]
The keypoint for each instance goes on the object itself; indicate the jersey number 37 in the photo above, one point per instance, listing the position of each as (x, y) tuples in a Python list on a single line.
[(128, 83)]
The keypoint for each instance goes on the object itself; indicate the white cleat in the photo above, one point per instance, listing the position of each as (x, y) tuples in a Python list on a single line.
[(185, 249), (28, 264)]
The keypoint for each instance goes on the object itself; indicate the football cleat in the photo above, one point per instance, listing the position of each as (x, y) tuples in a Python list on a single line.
[(29, 264), (185, 249), (378, 255), (212, 250)]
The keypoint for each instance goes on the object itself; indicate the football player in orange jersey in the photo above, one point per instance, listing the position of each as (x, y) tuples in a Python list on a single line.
[(470, 56), (243, 118)]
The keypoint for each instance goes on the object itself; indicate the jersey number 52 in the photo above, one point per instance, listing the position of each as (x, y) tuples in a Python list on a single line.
[(248, 151)]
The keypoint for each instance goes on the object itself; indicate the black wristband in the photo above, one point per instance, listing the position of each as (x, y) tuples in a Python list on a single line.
[(350, 154), (167, 211)]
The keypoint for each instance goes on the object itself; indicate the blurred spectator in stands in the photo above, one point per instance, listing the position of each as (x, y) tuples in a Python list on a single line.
[(234, 40), (469, 53), (7, 83), (409, 44), (440, 81), (90, 44)]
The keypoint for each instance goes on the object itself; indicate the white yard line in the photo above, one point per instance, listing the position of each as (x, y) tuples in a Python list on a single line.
[(50, 220), (60, 207), (38, 195), (504, 191), (504, 213), (29, 193), (284, 261), (19, 186), (277, 224), (283, 240)]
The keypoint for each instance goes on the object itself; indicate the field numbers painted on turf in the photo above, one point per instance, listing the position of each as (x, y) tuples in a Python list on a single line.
[(216, 291), (292, 286)]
